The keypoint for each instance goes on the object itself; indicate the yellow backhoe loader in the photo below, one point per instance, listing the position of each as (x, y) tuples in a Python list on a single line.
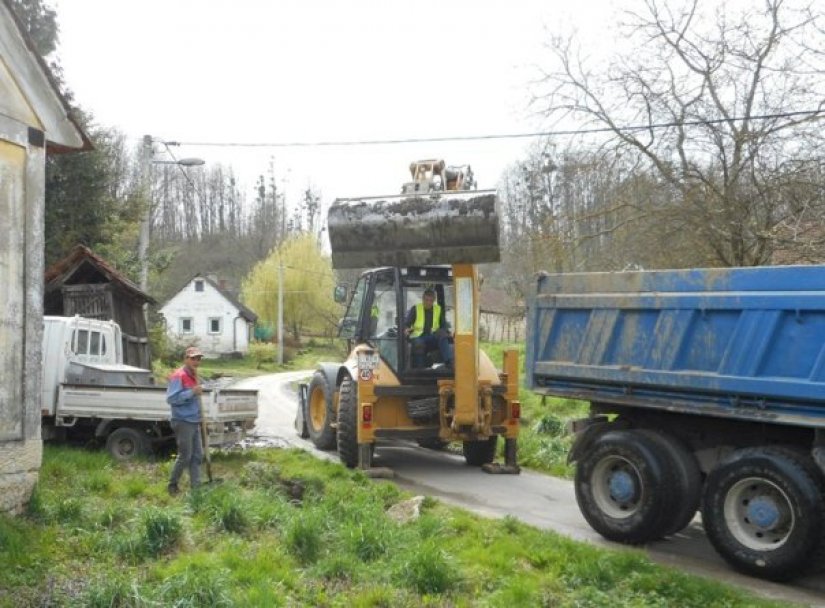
[(425, 243)]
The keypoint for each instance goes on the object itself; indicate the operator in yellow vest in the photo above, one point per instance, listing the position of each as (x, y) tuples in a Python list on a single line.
[(428, 330)]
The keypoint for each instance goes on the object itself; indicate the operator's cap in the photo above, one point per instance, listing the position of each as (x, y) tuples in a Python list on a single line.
[(192, 352)]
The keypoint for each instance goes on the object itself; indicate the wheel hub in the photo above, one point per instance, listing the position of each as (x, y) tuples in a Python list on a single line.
[(622, 487), (763, 512), (759, 513)]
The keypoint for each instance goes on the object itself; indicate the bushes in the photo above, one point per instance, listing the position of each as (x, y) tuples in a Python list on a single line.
[(262, 352)]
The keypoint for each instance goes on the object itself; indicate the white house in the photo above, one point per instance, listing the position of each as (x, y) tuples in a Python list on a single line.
[(34, 119), (205, 314)]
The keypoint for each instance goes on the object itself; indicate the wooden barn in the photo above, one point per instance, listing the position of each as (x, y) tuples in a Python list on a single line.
[(85, 284)]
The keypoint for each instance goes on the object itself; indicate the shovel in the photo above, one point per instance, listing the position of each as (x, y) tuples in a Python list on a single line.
[(205, 444)]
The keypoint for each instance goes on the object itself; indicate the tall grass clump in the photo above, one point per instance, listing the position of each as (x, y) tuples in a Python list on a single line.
[(159, 531), (196, 588), (304, 535), (162, 530), (427, 569)]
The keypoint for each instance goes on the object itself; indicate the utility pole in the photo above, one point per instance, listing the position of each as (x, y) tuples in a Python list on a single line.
[(145, 194), (280, 312)]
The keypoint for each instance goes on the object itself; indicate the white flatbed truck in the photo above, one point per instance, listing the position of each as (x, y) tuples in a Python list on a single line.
[(89, 393)]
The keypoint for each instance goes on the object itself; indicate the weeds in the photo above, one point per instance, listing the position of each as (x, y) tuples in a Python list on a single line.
[(428, 570), (249, 542), (303, 538)]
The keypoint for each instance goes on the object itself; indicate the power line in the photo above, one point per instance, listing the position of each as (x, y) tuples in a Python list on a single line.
[(493, 136)]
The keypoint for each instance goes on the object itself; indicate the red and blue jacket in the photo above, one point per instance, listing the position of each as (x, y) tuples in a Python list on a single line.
[(179, 394)]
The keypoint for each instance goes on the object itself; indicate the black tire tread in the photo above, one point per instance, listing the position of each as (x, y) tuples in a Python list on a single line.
[(688, 476), (795, 468), (348, 423), (478, 453), (325, 438), (655, 519)]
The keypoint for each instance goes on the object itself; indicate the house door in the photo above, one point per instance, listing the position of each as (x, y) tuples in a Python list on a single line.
[(12, 288)]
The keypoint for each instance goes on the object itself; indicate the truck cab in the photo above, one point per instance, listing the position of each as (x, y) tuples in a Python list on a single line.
[(68, 340)]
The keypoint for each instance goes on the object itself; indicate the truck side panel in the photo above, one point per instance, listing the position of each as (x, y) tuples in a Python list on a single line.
[(744, 343)]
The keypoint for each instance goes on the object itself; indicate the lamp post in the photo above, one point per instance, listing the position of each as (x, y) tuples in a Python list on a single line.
[(147, 160)]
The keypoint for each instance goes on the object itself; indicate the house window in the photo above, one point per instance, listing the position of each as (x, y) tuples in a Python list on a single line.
[(214, 325), (199, 285), (186, 325)]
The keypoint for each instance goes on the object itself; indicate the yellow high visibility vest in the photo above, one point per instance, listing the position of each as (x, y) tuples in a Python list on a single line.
[(418, 326)]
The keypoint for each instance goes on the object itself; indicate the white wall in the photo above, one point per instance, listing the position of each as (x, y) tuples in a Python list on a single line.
[(201, 307)]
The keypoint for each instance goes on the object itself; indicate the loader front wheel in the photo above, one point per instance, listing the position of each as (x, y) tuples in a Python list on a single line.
[(478, 453), (320, 412), (348, 423)]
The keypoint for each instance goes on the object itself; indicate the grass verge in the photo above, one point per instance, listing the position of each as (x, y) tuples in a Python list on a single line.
[(285, 529)]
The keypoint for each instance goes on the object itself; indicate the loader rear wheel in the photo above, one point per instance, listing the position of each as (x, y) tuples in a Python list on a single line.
[(626, 487), (320, 412), (348, 423), (127, 443), (764, 512), (478, 453)]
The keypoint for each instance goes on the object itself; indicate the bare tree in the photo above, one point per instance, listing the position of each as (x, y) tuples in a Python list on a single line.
[(734, 96)]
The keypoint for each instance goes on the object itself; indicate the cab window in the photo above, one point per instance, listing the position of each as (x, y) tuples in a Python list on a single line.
[(349, 324)]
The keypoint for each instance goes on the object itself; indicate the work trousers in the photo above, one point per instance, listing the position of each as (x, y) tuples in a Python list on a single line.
[(190, 452)]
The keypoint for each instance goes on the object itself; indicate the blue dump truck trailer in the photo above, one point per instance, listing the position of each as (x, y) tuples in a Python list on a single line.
[(706, 391)]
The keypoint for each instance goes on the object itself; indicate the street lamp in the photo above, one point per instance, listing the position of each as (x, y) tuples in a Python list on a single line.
[(183, 162), (146, 221)]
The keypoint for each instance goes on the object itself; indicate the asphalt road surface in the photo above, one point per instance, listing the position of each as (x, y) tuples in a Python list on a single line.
[(536, 499)]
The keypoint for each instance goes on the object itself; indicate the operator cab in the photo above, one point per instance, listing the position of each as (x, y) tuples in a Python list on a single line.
[(378, 308)]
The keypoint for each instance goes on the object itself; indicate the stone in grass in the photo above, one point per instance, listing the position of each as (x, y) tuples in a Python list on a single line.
[(406, 510)]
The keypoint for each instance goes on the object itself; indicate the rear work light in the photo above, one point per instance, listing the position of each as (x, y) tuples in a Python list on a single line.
[(366, 413)]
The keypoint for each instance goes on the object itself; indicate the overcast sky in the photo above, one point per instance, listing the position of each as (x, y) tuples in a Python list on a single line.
[(312, 70)]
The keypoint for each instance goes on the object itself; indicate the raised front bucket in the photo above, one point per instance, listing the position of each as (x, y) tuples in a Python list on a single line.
[(411, 230)]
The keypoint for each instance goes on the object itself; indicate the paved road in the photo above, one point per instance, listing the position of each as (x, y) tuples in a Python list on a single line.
[(539, 500)]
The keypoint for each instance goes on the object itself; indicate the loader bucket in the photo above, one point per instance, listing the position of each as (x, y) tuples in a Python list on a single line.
[(449, 227)]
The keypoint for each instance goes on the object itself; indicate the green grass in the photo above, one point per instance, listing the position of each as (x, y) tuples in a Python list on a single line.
[(254, 541)]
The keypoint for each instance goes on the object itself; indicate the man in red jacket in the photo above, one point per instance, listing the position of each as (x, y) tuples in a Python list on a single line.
[(183, 395)]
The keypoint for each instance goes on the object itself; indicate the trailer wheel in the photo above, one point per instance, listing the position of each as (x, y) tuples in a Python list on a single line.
[(320, 412), (127, 443), (688, 477), (348, 423), (764, 512), (625, 487), (478, 453)]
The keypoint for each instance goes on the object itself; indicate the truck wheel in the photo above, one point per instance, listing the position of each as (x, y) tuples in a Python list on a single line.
[(127, 443), (478, 453), (320, 412), (764, 512), (348, 423), (625, 487), (688, 478)]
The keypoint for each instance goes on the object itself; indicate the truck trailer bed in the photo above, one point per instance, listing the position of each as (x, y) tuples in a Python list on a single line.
[(744, 343)]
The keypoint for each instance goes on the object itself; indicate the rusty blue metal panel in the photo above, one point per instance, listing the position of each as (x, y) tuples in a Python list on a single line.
[(742, 342)]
